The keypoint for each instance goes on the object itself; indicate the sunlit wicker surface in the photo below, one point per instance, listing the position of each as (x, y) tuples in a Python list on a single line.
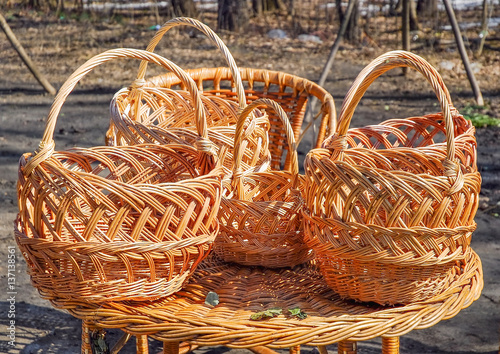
[(393, 204), (245, 290), (113, 223)]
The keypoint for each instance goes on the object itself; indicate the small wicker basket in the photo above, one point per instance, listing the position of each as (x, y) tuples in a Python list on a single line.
[(115, 223), (260, 212), (390, 207)]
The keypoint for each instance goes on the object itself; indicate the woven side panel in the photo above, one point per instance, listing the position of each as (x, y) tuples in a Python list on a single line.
[(404, 215), (387, 285), (111, 223), (290, 91)]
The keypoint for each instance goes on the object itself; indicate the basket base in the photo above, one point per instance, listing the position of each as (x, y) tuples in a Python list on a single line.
[(271, 251), (388, 284)]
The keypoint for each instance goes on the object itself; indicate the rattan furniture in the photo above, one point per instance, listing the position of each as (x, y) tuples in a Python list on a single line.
[(184, 321)]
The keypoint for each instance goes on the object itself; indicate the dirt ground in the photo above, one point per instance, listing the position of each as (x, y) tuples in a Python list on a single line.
[(59, 47)]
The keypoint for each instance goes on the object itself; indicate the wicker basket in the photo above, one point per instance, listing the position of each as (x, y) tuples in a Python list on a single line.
[(115, 223), (289, 91), (167, 115), (372, 211), (260, 212)]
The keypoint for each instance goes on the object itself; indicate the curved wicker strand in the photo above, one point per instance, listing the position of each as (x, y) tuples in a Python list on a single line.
[(46, 146), (186, 21), (391, 207), (238, 137)]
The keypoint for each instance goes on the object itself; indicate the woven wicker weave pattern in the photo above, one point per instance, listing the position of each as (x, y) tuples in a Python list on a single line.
[(426, 133), (289, 91), (110, 223), (260, 212), (184, 21), (244, 291), (389, 203)]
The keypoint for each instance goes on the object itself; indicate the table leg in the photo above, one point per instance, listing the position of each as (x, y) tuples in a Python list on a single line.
[(171, 347), (295, 349), (263, 350), (141, 344), (86, 344), (347, 347), (322, 349), (390, 345), (115, 349)]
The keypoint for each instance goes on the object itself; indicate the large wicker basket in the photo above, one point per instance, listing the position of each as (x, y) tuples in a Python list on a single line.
[(260, 212), (115, 223), (395, 216)]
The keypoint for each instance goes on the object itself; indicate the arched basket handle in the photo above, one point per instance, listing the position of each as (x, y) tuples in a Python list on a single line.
[(377, 67), (238, 137), (186, 21), (47, 144)]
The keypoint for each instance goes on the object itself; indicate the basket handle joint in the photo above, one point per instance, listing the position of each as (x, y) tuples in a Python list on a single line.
[(452, 170), (335, 143), (44, 151)]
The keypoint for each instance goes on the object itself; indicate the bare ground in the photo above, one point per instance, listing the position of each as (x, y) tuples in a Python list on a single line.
[(59, 47)]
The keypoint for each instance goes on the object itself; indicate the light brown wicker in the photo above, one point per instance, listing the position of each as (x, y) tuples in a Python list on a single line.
[(387, 219), (260, 212), (114, 223), (184, 317), (289, 91), (426, 131), (191, 22), (166, 115)]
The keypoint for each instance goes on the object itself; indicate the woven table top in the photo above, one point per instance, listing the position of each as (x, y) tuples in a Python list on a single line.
[(244, 291)]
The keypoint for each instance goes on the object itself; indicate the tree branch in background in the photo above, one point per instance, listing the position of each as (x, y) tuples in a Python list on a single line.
[(484, 28), (463, 52), (24, 56)]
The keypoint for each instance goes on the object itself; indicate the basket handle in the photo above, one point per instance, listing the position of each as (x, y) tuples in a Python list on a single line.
[(47, 145), (186, 21), (238, 137), (377, 67)]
